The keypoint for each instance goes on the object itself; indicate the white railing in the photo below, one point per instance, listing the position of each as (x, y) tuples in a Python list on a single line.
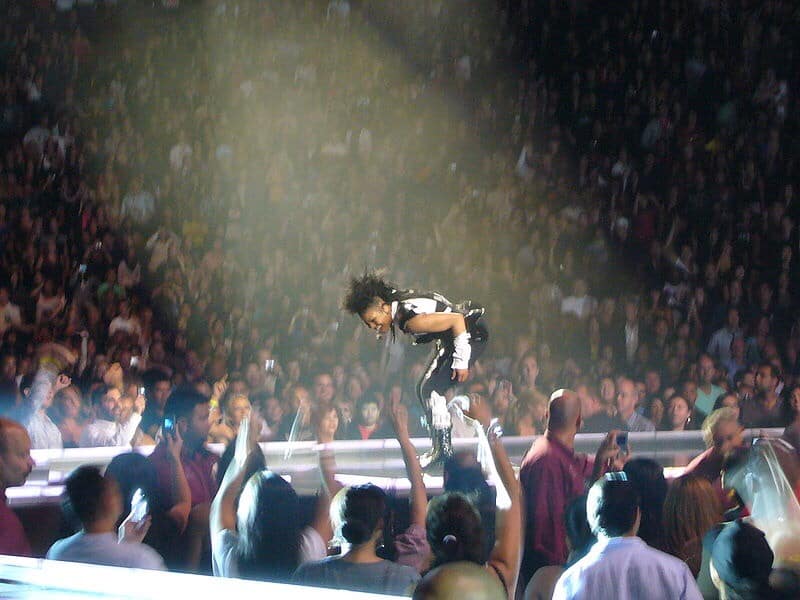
[(378, 461)]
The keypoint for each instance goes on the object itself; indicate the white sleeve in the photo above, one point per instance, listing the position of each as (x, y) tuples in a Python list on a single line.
[(125, 431), (223, 544)]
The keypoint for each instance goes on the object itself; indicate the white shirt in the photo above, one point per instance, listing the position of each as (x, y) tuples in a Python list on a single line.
[(43, 432), (110, 433), (224, 561), (103, 549), (625, 568)]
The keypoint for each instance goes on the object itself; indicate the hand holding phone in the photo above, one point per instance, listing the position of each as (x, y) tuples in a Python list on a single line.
[(139, 507), (622, 442), (168, 426)]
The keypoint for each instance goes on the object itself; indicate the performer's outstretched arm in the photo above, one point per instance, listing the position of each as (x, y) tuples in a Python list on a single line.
[(453, 322)]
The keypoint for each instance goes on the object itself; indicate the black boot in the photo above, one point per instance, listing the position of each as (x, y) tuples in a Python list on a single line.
[(441, 449)]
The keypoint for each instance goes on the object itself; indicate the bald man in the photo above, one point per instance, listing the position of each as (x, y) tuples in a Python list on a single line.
[(552, 474), (15, 466), (455, 581)]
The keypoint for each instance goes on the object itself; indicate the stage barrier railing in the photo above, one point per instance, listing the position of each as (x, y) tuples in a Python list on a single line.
[(378, 461)]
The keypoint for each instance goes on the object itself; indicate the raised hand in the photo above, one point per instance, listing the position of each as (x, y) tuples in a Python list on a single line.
[(398, 413), (62, 382)]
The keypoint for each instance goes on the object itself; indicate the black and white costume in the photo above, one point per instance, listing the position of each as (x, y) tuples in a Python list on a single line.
[(438, 375), (450, 353)]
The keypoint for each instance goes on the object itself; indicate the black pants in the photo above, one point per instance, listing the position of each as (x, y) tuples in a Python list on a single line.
[(438, 376)]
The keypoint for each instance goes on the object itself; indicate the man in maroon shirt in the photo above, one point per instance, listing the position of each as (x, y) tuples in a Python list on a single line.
[(189, 411), (15, 466), (551, 476)]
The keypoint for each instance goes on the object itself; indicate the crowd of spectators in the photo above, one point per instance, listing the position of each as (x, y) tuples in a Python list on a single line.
[(185, 189)]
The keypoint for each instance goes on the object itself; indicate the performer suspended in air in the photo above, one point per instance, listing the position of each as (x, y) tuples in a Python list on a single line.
[(458, 331)]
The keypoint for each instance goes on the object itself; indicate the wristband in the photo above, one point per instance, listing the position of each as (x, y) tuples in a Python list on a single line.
[(461, 351), (494, 429)]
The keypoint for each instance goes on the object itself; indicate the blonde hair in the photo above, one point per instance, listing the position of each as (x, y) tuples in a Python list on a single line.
[(712, 421)]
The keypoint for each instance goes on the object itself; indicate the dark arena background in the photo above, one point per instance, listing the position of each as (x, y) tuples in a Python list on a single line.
[(188, 190)]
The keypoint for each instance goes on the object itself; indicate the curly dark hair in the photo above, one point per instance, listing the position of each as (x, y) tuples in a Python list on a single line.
[(362, 291)]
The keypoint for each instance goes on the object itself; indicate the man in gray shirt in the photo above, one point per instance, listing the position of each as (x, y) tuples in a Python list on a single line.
[(97, 503)]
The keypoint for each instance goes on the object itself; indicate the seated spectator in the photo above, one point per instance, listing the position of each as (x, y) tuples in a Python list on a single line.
[(113, 425), (368, 423), (595, 417), (691, 509), (299, 418), (358, 516), (728, 400), (627, 399), (15, 466), (261, 538), (722, 434), (647, 477), (707, 390), (67, 413), (580, 539), (766, 408), (97, 504), (679, 415), (326, 418), (235, 407), (621, 565), (454, 528), (450, 581)]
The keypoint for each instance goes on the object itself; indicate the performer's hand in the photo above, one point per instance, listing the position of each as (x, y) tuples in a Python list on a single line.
[(460, 375)]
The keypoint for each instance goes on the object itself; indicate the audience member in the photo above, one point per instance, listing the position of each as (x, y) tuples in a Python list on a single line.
[(97, 504), (15, 466), (621, 565), (552, 474), (691, 508), (358, 516)]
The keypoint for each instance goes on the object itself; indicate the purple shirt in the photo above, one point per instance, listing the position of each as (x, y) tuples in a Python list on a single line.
[(198, 468), (13, 540), (551, 476)]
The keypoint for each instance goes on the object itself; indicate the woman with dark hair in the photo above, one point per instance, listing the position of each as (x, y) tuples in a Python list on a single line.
[(358, 515), (458, 331), (454, 528), (729, 400), (255, 525), (647, 476)]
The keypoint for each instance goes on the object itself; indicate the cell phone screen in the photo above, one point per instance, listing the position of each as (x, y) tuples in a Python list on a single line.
[(168, 425), (622, 442)]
